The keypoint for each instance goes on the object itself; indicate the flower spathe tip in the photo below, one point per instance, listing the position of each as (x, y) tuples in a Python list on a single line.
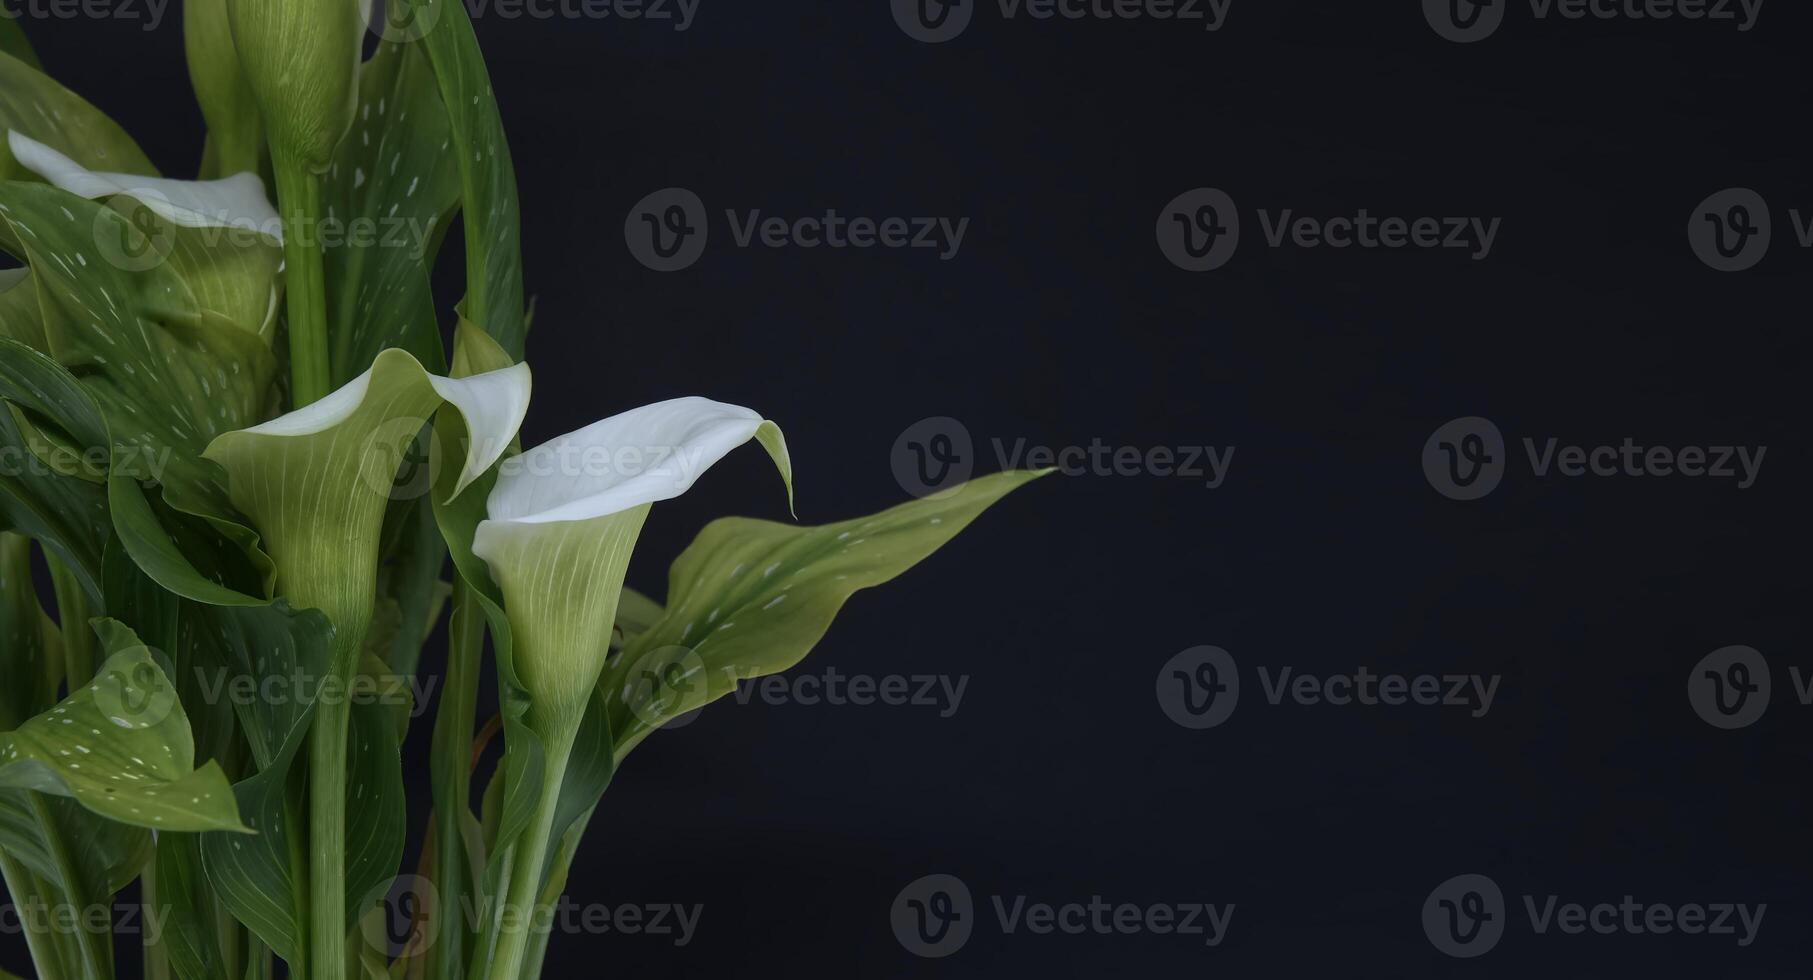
[(643, 456), (238, 201)]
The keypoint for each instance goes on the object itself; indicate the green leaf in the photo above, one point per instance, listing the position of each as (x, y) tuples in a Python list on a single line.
[(191, 936), (36, 105), (66, 515), (257, 878), (29, 658), (108, 856), (14, 42), (165, 331), (491, 210), (122, 748), (750, 598), (20, 318), (393, 189), (376, 811)]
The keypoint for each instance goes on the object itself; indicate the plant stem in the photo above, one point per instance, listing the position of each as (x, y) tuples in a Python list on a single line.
[(525, 880), (72, 616), (327, 839), (452, 778), (46, 960), (156, 964), (305, 273), (96, 948)]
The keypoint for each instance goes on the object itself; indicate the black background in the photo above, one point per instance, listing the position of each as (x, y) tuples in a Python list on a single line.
[(1060, 323)]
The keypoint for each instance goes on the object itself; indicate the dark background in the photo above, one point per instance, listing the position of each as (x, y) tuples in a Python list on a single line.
[(1059, 323)]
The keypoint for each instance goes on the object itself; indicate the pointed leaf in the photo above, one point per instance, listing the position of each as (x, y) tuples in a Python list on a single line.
[(489, 204), (750, 598), (36, 105), (393, 188), (122, 748), (235, 131)]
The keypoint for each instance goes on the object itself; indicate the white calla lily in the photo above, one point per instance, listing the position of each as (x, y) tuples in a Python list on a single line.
[(564, 517), (238, 201), (563, 520)]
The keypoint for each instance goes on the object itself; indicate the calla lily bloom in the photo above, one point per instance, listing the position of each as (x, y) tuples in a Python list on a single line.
[(235, 202), (316, 484), (565, 516), (563, 520)]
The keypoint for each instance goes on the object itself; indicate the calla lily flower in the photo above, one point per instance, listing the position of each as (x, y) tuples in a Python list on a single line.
[(563, 519), (235, 202), (316, 482)]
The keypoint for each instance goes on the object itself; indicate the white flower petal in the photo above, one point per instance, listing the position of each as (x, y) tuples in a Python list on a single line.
[(645, 455), (238, 201)]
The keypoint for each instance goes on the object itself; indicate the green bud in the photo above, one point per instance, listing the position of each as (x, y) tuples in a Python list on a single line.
[(301, 58)]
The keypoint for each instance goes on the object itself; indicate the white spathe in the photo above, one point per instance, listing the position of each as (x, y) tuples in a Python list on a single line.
[(493, 405), (642, 456), (238, 201)]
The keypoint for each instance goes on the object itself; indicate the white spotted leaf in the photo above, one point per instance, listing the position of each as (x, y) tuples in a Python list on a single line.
[(122, 748)]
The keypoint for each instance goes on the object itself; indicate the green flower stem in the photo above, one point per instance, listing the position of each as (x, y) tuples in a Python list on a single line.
[(556, 887), (524, 896), (96, 947), (299, 198), (156, 963), (452, 778), (327, 839), (45, 958), (73, 613)]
